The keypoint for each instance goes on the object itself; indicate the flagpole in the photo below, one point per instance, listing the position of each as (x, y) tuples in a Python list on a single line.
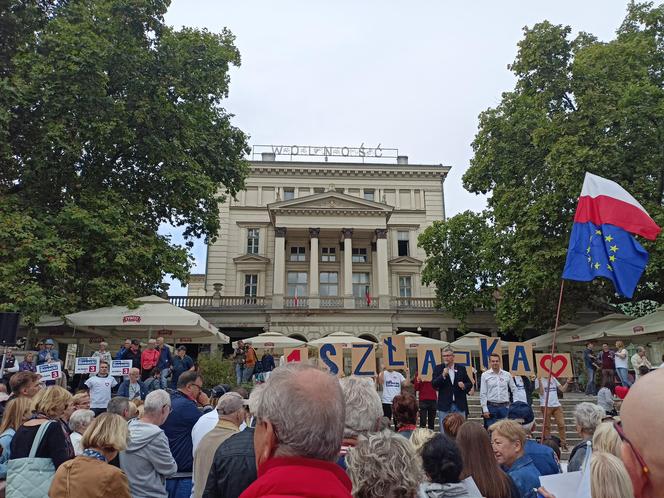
[(553, 350)]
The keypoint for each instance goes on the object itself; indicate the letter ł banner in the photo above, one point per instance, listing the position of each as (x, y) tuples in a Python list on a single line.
[(488, 345), (520, 357), (49, 371), (332, 356), (296, 354), (394, 351), (428, 358), (463, 358), (560, 365), (120, 367), (363, 359), (87, 365)]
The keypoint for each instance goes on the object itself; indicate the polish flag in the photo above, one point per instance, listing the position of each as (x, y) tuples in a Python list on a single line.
[(603, 202), (368, 296), (295, 301)]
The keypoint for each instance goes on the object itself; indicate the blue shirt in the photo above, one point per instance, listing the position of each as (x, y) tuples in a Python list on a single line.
[(543, 457), (177, 428), (42, 356), (165, 358), (525, 475)]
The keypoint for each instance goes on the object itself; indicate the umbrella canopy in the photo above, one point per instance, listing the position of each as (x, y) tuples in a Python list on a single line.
[(413, 340), (272, 340), (344, 339), (470, 342), (595, 329), (544, 341), (154, 316), (644, 325)]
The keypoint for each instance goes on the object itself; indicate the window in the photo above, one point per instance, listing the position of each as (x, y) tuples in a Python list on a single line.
[(340, 190), (405, 286), (252, 240), (402, 242), (318, 190), (369, 194), (298, 254), (297, 284), (329, 284), (251, 285), (328, 254), (360, 255), (289, 193), (361, 285)]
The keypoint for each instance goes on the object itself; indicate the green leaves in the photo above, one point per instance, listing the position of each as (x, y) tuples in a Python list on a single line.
[(111, 125)]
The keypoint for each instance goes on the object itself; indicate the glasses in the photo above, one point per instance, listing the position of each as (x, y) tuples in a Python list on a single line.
[(200, 387), (619, 429)]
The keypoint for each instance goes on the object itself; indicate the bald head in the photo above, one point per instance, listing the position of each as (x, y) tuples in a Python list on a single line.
[(641, 415)]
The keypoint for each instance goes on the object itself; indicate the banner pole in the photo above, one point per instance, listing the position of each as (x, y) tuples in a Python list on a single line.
[(553, 350)]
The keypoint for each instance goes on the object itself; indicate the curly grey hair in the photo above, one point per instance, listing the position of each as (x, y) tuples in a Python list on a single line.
[(384, 465), (306, 408), (80, 419), (363, 406), (588, 416)]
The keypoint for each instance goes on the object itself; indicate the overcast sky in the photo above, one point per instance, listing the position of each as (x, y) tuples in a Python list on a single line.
[(409, 75)]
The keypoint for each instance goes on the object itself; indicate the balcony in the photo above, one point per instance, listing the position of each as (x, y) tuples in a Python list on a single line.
[(223, 302), (414, 303), (331, 302), (296, 302), (366, 303)]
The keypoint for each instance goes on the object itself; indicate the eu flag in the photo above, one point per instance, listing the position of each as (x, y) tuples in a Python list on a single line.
[(605, 251)]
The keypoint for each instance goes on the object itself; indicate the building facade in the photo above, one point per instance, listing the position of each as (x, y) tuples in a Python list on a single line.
[(311, 248)]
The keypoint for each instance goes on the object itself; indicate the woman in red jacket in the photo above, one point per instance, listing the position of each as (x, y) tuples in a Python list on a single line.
[(149, 359)]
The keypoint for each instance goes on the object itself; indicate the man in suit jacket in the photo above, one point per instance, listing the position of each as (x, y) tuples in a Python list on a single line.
[(453, 384)]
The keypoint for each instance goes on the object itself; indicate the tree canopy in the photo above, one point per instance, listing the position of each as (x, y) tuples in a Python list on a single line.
[(578, 105), (111, 125)]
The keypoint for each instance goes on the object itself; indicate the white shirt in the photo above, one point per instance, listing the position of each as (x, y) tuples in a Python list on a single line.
[(100, 390), (495, 387), (621, 362), (553, 391), (520, 393), (134, 391), (75, 438), (203, 425), (391, 385)]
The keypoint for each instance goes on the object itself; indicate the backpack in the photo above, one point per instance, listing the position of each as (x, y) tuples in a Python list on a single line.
[(30, 477)]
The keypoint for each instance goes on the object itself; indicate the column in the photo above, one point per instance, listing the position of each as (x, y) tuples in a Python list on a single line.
[(349, 301), (279, 267), (314, 297), (382, 268)]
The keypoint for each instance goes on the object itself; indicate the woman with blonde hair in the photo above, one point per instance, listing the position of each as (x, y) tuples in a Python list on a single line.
[(420, 436), (621, 360), (607, 439), (90, 475), (16, 412), (48, 407), (608, 477)]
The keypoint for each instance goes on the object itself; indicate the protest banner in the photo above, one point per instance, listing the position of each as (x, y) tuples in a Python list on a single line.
[(520, 357), (488, 346), (49, 371), (463, 358), (120, 368), (332, 356), (294, 355), (428, 357), (394, 352), (560, 365), (86, 365), (363, 359)]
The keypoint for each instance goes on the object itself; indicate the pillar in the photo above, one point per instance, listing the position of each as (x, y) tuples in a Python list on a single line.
[(314, 296), (349, 301), (279, 267), (382, 269)]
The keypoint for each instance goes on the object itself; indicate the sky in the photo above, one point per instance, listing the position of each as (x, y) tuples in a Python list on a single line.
[(407, 75)]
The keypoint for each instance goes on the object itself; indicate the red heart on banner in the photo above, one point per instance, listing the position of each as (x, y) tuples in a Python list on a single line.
[(557, 359)]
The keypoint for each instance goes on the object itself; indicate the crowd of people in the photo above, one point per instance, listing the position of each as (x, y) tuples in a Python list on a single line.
[(305, 432)]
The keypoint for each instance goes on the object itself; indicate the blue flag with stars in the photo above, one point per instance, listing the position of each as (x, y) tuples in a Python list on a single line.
[(605, 251)]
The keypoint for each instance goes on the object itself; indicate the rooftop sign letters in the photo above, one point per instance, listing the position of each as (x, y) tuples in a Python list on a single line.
[(325, 151)]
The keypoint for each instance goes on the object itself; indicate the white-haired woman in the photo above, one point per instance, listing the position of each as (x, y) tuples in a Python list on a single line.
[(102, 354), (587, 416), (384, 464), (78, 423)]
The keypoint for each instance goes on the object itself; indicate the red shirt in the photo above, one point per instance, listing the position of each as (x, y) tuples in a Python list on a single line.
[(426, 390), (281, 477), (149, 359)]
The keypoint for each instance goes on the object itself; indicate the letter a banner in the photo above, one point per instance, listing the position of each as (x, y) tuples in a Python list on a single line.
[(520, 356), (427, 359)]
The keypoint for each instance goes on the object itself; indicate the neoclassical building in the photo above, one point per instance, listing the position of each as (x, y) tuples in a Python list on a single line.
[(310, 248)]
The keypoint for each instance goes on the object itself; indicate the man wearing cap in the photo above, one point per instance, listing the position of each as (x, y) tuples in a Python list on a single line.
[(230, 408), (542, 456), (182, 362), (48, 353)]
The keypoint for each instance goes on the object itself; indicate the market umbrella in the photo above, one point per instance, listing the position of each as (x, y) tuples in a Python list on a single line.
[(413, 340), (544, 341), (470, 342), (595, 329), (272, 340), (153, 317), (650, 324), (344, 339)]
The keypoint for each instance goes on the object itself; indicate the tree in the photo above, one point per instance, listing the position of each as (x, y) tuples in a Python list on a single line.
[(111, 125), (578, 105)]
